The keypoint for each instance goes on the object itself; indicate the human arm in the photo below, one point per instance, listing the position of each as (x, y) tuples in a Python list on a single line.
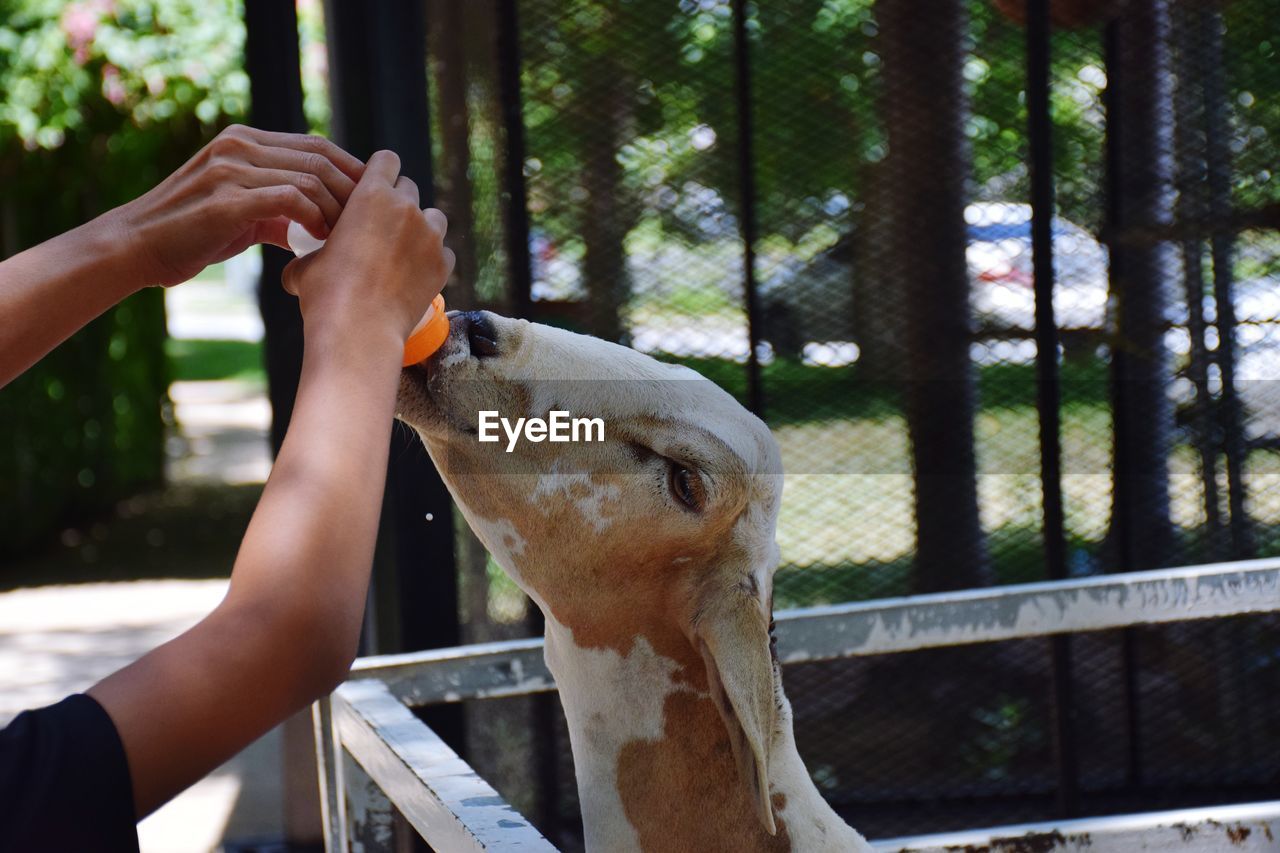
[(287, 631), (240, 189)]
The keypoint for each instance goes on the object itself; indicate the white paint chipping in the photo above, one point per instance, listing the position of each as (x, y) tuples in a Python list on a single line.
[(839, 631), (1029, 610), (443, 799)]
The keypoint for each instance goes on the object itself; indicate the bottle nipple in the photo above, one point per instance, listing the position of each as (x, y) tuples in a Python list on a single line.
[(427, 337)]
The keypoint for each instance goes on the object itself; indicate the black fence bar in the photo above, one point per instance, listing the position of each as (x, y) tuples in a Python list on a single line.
[(1221, 249), (1048, 390), (1121, 528), (747, 208), (275, 88), (377, 57), (272, 60), (514, 190)]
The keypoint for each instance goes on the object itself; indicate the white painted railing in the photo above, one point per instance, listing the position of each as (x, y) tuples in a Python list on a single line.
[(379, 757), (378, 760), (1246, 828)]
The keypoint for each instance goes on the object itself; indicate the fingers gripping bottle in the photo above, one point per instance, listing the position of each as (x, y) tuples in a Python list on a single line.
[(427, 337)]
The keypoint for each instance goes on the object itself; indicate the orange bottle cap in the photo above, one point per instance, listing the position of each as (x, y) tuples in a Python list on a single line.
[(429, 335)]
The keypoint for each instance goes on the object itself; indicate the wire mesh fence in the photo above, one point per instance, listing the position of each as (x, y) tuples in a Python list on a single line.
[(830, 207)]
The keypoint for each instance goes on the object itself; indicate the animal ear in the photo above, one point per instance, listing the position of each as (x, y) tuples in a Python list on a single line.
[(732, 635)]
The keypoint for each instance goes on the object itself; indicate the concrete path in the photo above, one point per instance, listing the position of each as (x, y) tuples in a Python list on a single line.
[(222, 436)]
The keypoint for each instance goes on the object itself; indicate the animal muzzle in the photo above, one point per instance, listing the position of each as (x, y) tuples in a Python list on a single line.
[(476, 327)]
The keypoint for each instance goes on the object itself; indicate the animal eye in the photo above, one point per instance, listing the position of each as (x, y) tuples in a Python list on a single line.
[(686, 486)]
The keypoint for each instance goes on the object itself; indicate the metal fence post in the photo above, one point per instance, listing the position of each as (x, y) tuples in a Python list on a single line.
[(378, 65), (330, 783), (370, 820), (1121, 527), (273, 62), (747, 208), (1048, 390)]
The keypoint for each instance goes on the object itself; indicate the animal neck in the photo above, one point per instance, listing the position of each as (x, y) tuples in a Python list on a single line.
[(653, 759)]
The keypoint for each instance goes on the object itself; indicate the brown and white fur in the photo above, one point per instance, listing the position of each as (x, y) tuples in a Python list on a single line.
[(656, 584)]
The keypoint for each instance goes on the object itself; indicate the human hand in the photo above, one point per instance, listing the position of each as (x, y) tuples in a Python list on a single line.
[(382, 264), (241, 189)]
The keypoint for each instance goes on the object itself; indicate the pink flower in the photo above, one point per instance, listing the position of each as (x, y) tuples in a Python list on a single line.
[(112, 86), (80, 23)]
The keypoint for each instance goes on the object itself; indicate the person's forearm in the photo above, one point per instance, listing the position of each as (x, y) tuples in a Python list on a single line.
[(309, 548), (49, 291), (287, 631)]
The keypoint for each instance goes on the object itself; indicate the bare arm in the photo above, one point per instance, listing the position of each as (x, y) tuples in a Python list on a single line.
[(287, 631), (50, 291), (240, 189)]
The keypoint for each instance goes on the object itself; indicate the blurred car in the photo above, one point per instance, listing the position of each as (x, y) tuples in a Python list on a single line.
[(812, 301), (1257, 374), (1257, 360)]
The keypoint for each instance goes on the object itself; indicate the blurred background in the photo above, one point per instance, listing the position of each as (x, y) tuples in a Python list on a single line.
[(825, 206)]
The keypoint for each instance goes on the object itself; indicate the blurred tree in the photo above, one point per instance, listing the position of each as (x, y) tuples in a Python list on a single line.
[(588, 95), (447, 31), (925, 110), (99, 100), (1249, 83), (633, 98)]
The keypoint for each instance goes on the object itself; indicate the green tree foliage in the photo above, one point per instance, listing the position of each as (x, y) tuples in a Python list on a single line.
[(1252, 58), (99, 100), (815, 75)]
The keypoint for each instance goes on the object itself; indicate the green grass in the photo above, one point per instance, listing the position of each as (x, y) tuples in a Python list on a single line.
[(1015, 551), (848, 507), (798, 393), (687, 300), (206, 360)]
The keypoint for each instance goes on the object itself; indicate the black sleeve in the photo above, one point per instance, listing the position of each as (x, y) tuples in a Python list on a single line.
[(64, 782)]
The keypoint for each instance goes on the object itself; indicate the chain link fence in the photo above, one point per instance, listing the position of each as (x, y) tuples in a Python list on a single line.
[(826, 206)]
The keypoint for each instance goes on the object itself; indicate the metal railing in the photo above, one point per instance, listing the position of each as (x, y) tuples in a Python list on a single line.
[(378, 760)]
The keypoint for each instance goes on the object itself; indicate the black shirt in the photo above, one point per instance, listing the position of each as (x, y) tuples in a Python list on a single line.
[(64, 782)]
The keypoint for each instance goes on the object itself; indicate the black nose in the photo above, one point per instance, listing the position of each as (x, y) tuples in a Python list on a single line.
[(481, 335)]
